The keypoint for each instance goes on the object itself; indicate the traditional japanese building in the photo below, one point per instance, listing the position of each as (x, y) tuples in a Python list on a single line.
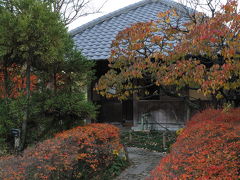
[(94, 40)]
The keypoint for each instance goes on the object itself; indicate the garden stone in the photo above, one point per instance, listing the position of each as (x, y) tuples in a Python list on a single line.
[(142, 162)]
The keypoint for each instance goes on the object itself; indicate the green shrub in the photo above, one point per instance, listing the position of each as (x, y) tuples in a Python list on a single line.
[(152, 140), (49, 114)]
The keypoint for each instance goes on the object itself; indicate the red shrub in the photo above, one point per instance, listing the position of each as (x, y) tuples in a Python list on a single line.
[(208, 148), (65, 156)]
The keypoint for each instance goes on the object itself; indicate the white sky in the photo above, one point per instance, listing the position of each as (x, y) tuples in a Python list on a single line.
[(110, 6)]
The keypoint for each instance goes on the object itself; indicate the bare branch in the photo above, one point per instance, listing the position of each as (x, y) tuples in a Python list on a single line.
[(71, 10), (208, 7)]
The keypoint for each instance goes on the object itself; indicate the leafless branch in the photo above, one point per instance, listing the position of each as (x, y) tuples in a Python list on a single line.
[(71, 10), (208, 7)]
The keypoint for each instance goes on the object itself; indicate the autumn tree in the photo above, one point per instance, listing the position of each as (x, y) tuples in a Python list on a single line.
[(137, 56), (213, 54), (179, 53)]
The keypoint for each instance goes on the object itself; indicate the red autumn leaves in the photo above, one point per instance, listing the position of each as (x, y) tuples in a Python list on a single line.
[(16, 81), (90, 146), (208, 148)]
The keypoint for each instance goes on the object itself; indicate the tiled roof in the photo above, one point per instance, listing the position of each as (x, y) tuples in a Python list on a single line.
[(94, 39)]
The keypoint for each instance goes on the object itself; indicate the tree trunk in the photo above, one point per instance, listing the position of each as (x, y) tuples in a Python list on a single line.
[(6, 81), (54, 83), (27, 107)]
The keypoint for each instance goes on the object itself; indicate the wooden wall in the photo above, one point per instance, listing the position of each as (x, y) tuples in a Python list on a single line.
[(156, 114)]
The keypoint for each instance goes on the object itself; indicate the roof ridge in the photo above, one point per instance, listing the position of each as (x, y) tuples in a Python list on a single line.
[(119, 12)]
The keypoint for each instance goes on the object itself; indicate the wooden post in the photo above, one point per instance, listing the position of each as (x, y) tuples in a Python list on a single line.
[(17, 138), (187, 115), (130, 136), (16, 143), (135, 110), (164, 140)]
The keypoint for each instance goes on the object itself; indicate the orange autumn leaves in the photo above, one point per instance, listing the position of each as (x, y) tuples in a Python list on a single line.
[(208, 148), (62, 157), (175, 51), (216, 39), (16, 82)]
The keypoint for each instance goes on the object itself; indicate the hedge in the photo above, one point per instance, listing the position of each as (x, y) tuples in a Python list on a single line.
[(208, 148), (74, 154)]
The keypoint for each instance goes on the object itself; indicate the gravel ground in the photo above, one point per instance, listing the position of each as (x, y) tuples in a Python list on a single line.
[(142, 162)]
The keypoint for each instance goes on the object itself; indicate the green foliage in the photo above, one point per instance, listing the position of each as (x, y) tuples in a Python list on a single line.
[(152, 140), (34, 39), (49, 114), (5, 124), (30, 31), (10, 117), (117, 166), (64, 110), (38, 37), (70, 104)]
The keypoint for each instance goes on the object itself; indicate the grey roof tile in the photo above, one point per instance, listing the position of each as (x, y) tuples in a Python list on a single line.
[(94, 39)]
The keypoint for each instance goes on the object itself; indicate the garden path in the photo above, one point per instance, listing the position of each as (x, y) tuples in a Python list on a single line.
[(142, 162)]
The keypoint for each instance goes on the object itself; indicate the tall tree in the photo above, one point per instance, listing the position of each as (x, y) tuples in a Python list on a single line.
[(38, 36)]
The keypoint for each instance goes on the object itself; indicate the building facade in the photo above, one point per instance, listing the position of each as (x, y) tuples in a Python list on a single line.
[(94, 39)]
